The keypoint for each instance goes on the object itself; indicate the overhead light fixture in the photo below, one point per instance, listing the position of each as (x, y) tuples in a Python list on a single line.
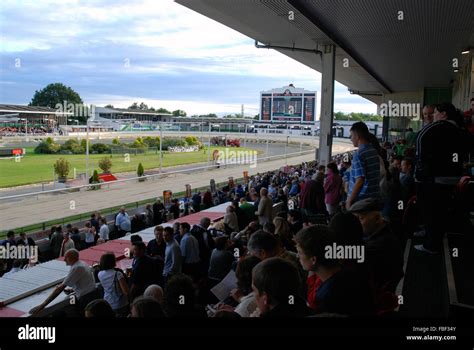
[(456, 70), (465, 52)]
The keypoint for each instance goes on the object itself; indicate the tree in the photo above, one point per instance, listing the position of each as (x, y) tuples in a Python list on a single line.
[(140, 171), (163, 110), (105, 164), (109, 106), (61, 168), (179, 113), (133, 106), (53, 94)]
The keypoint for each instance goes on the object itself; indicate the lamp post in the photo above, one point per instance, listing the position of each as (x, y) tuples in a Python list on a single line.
[(87, 151)]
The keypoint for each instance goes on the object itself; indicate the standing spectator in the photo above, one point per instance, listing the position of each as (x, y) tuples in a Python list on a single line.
[(80, 279), (174, 209), (207, 199), (265, 208), (436, 160), (469, 118), (275, 282), (115, 285), (173, 260), (26, 241), (158, 212), (189, 251), (332, 189), (428, 111), (143, 270), (67, 244), (312, 197), (76, 238), (56, 241), (205, 240), (196, 199), (104, 229), (365, 169), (241, 218), (149, 216), (156, 247), (407, 182), (90, 234), (221, 260), (122, 221), (95, 222)]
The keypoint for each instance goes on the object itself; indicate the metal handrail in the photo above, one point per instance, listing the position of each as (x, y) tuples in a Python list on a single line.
[(32, 194)]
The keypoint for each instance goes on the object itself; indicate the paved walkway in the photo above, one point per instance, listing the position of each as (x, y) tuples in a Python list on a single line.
[(50, 207)]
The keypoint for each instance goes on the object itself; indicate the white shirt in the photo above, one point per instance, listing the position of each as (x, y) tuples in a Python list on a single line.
[(104, 232), (247, 305), (80, 278), (110, 280)]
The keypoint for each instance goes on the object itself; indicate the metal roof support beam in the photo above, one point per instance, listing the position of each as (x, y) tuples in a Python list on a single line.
[(327, 103)]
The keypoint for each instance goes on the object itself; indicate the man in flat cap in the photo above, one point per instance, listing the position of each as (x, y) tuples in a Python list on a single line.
[(383, 248)]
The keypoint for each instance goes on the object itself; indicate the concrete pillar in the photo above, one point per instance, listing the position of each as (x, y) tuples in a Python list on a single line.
[(327, 104)]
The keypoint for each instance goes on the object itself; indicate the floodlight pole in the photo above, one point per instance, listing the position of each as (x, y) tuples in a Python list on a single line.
[(87, 151), (161, 145)]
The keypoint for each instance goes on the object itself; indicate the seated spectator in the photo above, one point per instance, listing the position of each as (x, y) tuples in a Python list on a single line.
[(180, 299), (173, 259), (295, 221), (80, 280), (340, 291), (156, 247), (114, 283), (407, 182), (154, 291), (16, 266), (283, 232), (99, 308), (248, 210), (146, 307), (265, 245), (269, 227), (383, 249), (243, 294), (246, 232), (230, 220), (276, 285), (221, 260)]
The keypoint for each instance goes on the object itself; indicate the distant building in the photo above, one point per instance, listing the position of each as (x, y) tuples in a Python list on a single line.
[(288, 105)]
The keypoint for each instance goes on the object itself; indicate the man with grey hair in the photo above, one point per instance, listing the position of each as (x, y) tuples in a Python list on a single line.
[(265, 207), (205, 240), (154, 291), (123, 223), (80, 280)]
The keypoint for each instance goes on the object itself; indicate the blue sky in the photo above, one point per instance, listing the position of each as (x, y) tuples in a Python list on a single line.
[(155, 51)]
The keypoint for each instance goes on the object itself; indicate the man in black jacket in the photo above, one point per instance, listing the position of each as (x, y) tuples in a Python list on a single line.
[(442, 147), (205, 240)]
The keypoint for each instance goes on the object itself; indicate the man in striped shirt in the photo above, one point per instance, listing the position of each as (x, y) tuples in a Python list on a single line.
[(365, 170)]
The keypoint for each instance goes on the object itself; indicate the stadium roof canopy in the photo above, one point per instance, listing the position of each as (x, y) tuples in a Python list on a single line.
[(30, 110), (391, 45)]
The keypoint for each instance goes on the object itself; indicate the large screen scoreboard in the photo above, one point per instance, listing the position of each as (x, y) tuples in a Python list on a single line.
[(288, 104)]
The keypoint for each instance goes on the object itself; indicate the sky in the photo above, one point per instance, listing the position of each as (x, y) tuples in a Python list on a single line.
[(154, 51)]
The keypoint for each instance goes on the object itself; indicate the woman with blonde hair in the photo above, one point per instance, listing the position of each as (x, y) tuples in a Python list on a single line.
[(283, 232)]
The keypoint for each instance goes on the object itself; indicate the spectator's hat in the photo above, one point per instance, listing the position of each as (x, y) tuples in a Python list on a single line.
[(365, 205)]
